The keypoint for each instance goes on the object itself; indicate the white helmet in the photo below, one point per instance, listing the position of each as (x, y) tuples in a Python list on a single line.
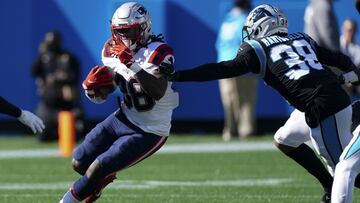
[(265, 20), (131, 24)]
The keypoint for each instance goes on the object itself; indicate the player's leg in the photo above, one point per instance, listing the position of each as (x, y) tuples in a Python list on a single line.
[(132, 146), (246, 97), (290, 139), (331, 137), (346, 171), (97, 141), (227, 86), (122, 155)]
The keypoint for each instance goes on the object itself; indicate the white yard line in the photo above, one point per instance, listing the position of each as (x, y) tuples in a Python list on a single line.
[(217, 147), (167, 149), (130, 184)]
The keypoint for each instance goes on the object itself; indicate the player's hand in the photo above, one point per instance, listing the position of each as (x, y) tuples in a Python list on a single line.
[(99, 84), (123, 53), (31, 120), (99, 77), (168, 70)]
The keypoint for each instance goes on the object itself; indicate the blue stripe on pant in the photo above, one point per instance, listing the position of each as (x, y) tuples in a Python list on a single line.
[(355, 147), (330, 137)]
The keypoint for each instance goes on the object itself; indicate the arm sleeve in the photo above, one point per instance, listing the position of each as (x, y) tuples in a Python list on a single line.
[(246, 61), (8, 108), (335, 59)]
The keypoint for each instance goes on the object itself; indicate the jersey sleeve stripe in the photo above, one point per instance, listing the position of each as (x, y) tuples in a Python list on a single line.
[(260, 54), (159, 54)]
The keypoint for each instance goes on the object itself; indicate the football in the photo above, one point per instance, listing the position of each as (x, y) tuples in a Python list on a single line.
[(99, 83), (100, 94)]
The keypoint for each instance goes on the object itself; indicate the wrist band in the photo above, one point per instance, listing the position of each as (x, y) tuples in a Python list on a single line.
[(350, 77)]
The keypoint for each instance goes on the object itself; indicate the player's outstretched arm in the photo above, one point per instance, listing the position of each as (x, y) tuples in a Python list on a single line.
[(25, 117), (205, 72), (32, 121), (246, 61)]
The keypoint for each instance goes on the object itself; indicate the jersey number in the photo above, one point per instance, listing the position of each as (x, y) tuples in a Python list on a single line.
[(299, 57), (135, 97)]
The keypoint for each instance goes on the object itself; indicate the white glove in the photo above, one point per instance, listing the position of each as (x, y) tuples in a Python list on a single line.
[(31, 120)]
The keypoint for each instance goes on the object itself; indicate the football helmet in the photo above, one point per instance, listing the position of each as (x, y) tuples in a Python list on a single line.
[(263, 21), (131, 25)]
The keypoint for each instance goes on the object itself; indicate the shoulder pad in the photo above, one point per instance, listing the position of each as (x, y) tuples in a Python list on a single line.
[(159, 54)]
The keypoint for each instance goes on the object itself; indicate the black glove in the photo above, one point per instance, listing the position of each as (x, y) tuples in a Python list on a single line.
[(168, 70)]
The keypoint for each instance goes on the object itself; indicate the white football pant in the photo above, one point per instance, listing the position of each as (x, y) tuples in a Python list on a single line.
[(346, 171), (330, 140)]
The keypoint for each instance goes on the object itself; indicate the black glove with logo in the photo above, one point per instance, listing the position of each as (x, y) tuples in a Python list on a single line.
[(168, 70)]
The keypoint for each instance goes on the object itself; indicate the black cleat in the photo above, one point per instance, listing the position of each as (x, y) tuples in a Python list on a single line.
[(326, 198)]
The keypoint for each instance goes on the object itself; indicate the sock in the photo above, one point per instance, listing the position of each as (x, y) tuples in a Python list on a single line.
[(69, 198), (84, 187), (306, 157)]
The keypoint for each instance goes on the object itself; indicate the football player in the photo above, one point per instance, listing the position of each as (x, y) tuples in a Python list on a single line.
[(142, 124), (26, 117), (293, 64), (291, 137)]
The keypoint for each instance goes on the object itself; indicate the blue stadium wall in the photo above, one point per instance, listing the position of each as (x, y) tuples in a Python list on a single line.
[(189, 26)]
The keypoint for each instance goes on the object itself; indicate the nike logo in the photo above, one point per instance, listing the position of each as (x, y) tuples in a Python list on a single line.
[(91, 81)]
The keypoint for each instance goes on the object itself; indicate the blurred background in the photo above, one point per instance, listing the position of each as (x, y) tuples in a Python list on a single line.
[(189, 26)]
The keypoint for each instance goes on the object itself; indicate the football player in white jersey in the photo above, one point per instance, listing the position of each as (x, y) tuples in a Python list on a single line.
[(141, 126)]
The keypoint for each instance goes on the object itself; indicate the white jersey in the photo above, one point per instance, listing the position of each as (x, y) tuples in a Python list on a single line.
[(153, 116)]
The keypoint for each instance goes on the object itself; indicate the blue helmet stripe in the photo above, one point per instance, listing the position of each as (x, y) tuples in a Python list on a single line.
[(260, 54)]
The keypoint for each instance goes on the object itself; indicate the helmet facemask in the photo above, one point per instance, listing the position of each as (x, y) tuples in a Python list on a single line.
[(131, 25), (131, 36)]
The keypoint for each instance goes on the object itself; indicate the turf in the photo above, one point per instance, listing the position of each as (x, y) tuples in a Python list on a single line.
[(226, 177)]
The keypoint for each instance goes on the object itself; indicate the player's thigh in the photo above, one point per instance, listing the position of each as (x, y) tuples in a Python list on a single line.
[(351, 154), (332, 136), (129, 150), (294, 132), (97, 141)]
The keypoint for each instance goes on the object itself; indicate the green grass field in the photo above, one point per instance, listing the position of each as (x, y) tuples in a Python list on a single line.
[(182, 176)]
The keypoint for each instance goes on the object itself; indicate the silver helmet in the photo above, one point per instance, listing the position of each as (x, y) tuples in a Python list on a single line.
[(131, 24), (263, 21)]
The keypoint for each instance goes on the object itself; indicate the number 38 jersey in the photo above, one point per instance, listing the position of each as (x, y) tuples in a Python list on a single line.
[(291, 64), (153, 116), (295, 66)]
